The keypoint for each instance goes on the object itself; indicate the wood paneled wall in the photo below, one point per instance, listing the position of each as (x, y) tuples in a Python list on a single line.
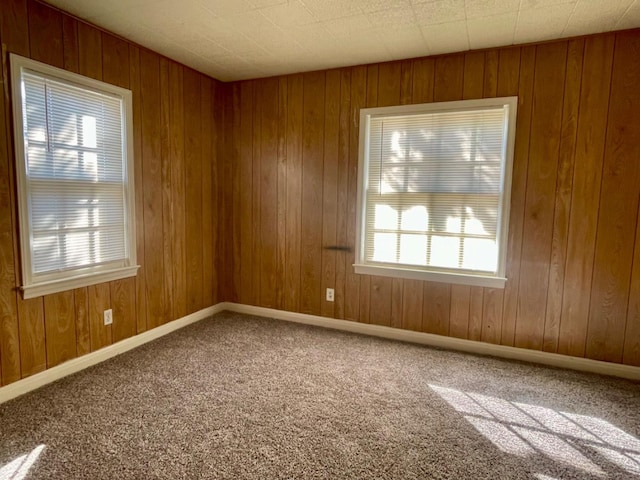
[(239, 187), (176, 116), (574, 237)]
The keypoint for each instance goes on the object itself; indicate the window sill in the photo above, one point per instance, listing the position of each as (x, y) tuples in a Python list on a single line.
[(443, 277), (79, 281)]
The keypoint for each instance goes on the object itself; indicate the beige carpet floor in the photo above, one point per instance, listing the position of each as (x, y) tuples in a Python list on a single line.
[(240, 397)]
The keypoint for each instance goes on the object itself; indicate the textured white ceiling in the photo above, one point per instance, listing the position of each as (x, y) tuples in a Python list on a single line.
[(238, 39)]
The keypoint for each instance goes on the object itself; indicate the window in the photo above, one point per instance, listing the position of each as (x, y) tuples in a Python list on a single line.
[(73, 139), (434, 191)]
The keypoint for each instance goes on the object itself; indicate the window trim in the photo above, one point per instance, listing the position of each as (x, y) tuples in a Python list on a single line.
[(79, 277), (434, 273)]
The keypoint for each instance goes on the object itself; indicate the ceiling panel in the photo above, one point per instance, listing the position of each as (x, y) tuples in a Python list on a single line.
[(238, 39)]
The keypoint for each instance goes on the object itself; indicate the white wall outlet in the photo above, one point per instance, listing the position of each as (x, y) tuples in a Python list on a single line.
[(108, 317), (330, 294)]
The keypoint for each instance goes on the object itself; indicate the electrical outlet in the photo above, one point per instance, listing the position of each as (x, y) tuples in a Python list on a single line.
[(329, 294), (108, 317)]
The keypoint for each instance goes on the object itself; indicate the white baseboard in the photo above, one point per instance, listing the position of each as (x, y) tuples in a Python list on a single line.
[(38, 380), (470, 346), (72, 366)]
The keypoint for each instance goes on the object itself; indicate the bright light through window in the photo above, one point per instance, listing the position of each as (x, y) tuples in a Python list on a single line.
[(434, 190), (75, 178)]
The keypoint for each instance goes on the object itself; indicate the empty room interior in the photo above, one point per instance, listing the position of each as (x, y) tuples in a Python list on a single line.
[(356, 239)]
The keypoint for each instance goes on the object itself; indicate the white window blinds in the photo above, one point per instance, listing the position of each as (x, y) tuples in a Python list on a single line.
[(434, 188), (75, 182), (75, 175)]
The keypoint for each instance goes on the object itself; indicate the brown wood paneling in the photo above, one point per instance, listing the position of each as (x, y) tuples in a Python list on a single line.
[(564, 187), (177, 214), (99, 301), (33, 353), (9, 329), (193, 186), (208, 158), (70, 44), (152, 186), (397, 298), (491, 62), (553, 165), (47, 331), (412, 301), (238, 188), (509, 72), (115, 54), (219, 212), (406, 82), (247, 294), (123, 303), (618, 207), (449, 78), (476, 310), (268, 194), (540, 193), (459, 315), (518, 190), (493, 299), (436, 308), (226, 229), (248, 202), (373, 73), (330, 188), (167, 192), (90, 51), (381, 300), (312, 160), (141, 284), (281, 207), (14, 26), (423, 80), (473, 84), (508, 82), (389, 83), (60, 327), (585, 196), (45, 34), (343, 192), (352, 281), (258, 106), (83, 331)]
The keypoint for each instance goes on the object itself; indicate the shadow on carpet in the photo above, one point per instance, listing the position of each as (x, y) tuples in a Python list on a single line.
[(243, 397)]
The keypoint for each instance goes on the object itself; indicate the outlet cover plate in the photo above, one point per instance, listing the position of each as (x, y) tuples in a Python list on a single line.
[(330, 295)]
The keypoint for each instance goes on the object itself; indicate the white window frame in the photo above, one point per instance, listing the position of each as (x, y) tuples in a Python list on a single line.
[(463, 277), (34, 285)]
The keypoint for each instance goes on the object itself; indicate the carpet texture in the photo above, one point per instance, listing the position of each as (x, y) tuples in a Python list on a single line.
[(250, 398)]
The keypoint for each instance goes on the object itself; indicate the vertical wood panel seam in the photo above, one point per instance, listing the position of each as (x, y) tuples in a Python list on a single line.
[(604, 155), (526, 186), (555, 194), (575, 165)]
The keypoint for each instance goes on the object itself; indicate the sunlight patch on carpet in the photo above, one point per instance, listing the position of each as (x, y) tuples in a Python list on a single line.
[(522, 429), (18, 468)]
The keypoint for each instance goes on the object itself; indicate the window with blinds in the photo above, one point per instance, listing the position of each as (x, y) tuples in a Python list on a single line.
[(434, 190), (75, 178)]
